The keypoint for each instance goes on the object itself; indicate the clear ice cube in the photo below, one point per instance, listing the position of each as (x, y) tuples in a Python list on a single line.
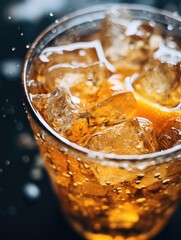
[(134, 136), (78, 124), (160, 82), (116, 108), (57, 108), (128, 43), (84, 79)]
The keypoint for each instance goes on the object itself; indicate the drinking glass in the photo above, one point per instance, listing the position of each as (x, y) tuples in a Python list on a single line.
[(105, 196)]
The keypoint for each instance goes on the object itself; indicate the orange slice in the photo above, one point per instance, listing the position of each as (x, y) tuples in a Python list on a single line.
[(157, 114)]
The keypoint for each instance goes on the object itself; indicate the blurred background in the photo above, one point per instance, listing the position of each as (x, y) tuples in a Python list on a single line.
[(28, 207)]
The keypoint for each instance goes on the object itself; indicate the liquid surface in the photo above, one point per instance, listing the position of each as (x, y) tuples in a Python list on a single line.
[(123, 82)]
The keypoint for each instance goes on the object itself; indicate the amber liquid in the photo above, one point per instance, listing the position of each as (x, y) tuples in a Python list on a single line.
[(103, 202)]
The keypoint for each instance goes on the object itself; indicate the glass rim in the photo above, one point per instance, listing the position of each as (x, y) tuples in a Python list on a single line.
[(100, 156)]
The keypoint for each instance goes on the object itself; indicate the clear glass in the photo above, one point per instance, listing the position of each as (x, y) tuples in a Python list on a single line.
[(106, 196)]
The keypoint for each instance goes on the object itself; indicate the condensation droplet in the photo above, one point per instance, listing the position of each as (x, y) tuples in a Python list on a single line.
[(170, 27), (54, 30), (140, 200), (157, 175), (31, 191), (166, 181), (140, 176)]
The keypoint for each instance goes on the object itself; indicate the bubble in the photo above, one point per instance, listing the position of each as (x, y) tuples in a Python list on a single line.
[(31, 191), (1, 171), (13, 49), (56, 21), (51, 14), (22, 34), (27, 46), (9, 17)]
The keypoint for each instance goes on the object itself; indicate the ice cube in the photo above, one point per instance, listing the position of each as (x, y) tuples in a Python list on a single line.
[(160, 82), (118, 107), (83, 80), (127, 42), (57, 108), (134, 136), (56, 64), (170, 134)]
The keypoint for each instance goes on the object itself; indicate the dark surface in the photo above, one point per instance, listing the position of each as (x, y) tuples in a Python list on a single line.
[(22, 217)]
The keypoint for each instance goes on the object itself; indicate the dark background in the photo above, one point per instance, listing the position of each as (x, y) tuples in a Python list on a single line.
[(28, 208)]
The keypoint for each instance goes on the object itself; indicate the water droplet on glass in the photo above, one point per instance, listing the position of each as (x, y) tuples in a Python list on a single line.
[(166, 181), (140, 200), (157, 175), (54, 30), (170, 27), (31, 191), (51, 14)]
